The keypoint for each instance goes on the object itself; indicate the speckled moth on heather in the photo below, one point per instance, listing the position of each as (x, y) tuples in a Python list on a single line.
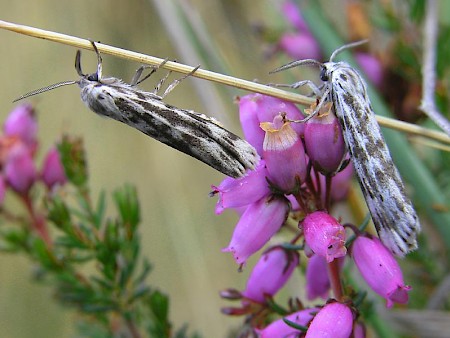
[(392, 212), (192, 133)]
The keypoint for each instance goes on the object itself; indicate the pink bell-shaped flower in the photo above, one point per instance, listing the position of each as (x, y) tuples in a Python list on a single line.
[(280, 329), (324, 142), (20, 171), (333, 320), (284, 154), (324, 235), (21, 122), (236, 193), (379, 269), (53, 170), (270, 273), (259, 222)]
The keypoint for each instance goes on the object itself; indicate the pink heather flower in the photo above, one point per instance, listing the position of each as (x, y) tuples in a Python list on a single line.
[(371, 66), (359, 330), (259, 222), (2, 189), (53, 170), (280, 329), (20, 171), (257, 108), (299, 46), (293, 15), (22, 123), (235, 193), (277, 263), (284, 154), (324, 143), (341, 183), (379, 269), (333, 320), (317, 281), (324, 235)]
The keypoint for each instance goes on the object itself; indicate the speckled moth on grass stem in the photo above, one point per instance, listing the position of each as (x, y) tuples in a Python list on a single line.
[(392, 212), (185, 130)]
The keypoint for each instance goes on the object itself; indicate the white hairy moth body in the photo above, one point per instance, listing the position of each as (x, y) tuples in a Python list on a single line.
[(185, 130), (392, 212)]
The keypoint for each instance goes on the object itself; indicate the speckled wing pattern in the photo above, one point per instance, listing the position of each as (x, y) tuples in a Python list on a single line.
[(392, 212), (187, 131)]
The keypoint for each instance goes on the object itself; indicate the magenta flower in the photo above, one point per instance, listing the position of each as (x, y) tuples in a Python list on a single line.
[(260, 221), (277, 263), (257, 108), (333, 320), (341, 183), (21, 123), (235, 193), (372, 67), (317, 280), (53, 170), (379, 269), (293, 15), (324, 143), (359, 330), (284, 154), (280, 329), (324, 235), (20, 171), (299, 46)]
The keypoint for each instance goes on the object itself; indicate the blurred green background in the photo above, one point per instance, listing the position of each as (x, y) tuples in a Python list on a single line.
[(181, 235)]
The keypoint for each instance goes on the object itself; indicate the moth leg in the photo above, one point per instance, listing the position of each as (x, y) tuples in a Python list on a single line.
[(177, 81), (99, 61), (321, 103), (315, 89), (137, 76)]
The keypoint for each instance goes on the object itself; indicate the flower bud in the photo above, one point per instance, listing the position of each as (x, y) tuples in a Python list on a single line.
[(53, 170), (257, 108), (324, 143), (379, 269), (20, 171), (280, 329), (284, 155), (277, 263), (317, 280), (333, 320), (22, 123), (324, 235), (259, 222), (235, 193)]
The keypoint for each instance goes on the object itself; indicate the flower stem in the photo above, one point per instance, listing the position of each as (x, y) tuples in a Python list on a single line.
[(335, 280)]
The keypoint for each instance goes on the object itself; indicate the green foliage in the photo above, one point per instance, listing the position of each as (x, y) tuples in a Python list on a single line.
[(93, 261)]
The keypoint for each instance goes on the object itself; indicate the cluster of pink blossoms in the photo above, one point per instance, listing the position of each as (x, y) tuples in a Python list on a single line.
[(18, 170), (304, 170)]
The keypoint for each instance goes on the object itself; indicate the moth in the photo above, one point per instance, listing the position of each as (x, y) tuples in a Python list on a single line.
[(392, 212), (192, 133)]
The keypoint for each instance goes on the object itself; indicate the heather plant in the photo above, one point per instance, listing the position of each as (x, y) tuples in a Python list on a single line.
[(320, 269)]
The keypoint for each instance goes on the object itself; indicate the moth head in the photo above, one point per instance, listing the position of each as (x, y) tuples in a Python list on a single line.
[(324, 73), (89, 77)]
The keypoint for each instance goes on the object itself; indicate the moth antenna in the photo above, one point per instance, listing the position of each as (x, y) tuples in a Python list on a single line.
[(295, 64), (45, 89), (347, 46)]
